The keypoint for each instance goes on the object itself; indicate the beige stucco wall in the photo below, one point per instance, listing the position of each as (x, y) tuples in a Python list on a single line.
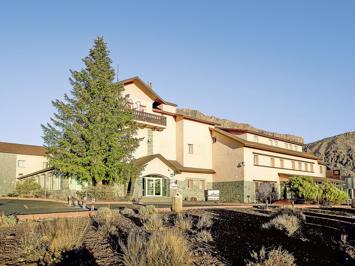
[(227, 155), (33, 163), (274, 142), (164, 141), (198, 134), (185, 175), (142, 150), (157, 167), (265, 172), (136, 94)]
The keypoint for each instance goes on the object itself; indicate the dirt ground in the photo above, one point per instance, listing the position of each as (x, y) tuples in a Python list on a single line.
[(235, 234)]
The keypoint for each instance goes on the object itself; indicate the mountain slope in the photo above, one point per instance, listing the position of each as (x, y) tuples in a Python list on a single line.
[(231, 124), (338, 152)]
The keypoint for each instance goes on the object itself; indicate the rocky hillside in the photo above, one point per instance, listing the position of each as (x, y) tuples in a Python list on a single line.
[(338, 152), (232, 124)]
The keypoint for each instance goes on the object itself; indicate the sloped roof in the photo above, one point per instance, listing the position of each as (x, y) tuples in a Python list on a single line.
[(146, 89), (265, 147), (15, 148), (175, 165)]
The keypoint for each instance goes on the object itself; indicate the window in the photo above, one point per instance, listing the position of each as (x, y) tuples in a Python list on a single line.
[(272, 162), (256, 159), (21, 163), (202, 185), (299, 165), (190, 184), (321, 169), (293, 165), (191, 148), (312, 169), (306, 167), (138, 105), (282, 163)]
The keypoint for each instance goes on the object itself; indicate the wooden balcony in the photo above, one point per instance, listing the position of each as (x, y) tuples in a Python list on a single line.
[(149, 118)]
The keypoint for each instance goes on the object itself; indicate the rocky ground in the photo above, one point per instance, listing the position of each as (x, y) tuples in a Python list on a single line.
[(235, 234)]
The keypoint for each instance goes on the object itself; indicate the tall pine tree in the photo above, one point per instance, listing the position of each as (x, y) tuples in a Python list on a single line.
[(92, 136)]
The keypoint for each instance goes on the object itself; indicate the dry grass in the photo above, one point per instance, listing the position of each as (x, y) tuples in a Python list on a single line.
[(284, 222), (47, 241), (275, 257), (204, 222), (167, 247), (183, 223), (204, 236), (153, 223), (7, 220)]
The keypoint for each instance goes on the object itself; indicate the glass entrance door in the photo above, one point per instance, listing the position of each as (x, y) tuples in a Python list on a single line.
[(153, 186)]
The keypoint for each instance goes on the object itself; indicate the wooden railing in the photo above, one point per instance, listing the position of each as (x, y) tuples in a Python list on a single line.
[(150, 118)]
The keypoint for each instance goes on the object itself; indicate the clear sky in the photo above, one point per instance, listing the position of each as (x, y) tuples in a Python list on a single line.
[(284, 66)]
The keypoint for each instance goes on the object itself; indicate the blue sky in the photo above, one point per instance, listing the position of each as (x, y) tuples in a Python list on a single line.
[(284, 66)]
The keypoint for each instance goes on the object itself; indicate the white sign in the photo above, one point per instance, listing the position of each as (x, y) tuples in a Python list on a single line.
[(212, 194)]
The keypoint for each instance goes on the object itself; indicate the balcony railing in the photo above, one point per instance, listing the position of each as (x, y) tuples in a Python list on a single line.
[(149, 118)]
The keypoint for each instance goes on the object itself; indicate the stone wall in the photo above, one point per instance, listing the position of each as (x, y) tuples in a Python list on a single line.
[(232, 191), (7, 173)]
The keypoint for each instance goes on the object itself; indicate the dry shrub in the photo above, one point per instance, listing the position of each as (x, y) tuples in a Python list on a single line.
[(127, 212), (47, 241), (134, 252), (183, 223), (146, 211), (154, 223), (7, 220), (284, 222), (167, 247), (290, 211), (275, 257), (105, 218), (204, 222), (204, 236)]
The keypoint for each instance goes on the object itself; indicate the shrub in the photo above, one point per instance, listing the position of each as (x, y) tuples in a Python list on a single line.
[(304, 187), (127, 212), (332, 194), (105, 218), (284, 222), (47, 241), (167, 247), (134, 252), (183, 223), (204, 236), (154, 223), (146, 211), (29, 187), (275, 257), (205, 221), (101, 192), (7, 220)]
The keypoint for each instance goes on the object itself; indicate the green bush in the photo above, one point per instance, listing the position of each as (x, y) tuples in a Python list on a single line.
[(100, 192), (332, 194), (29, 187), (304, 188)]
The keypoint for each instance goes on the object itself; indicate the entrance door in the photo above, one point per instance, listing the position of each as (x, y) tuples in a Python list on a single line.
[(153, 186)]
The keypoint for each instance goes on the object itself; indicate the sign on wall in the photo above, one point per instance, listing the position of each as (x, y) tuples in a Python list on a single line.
[(213, 194)]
